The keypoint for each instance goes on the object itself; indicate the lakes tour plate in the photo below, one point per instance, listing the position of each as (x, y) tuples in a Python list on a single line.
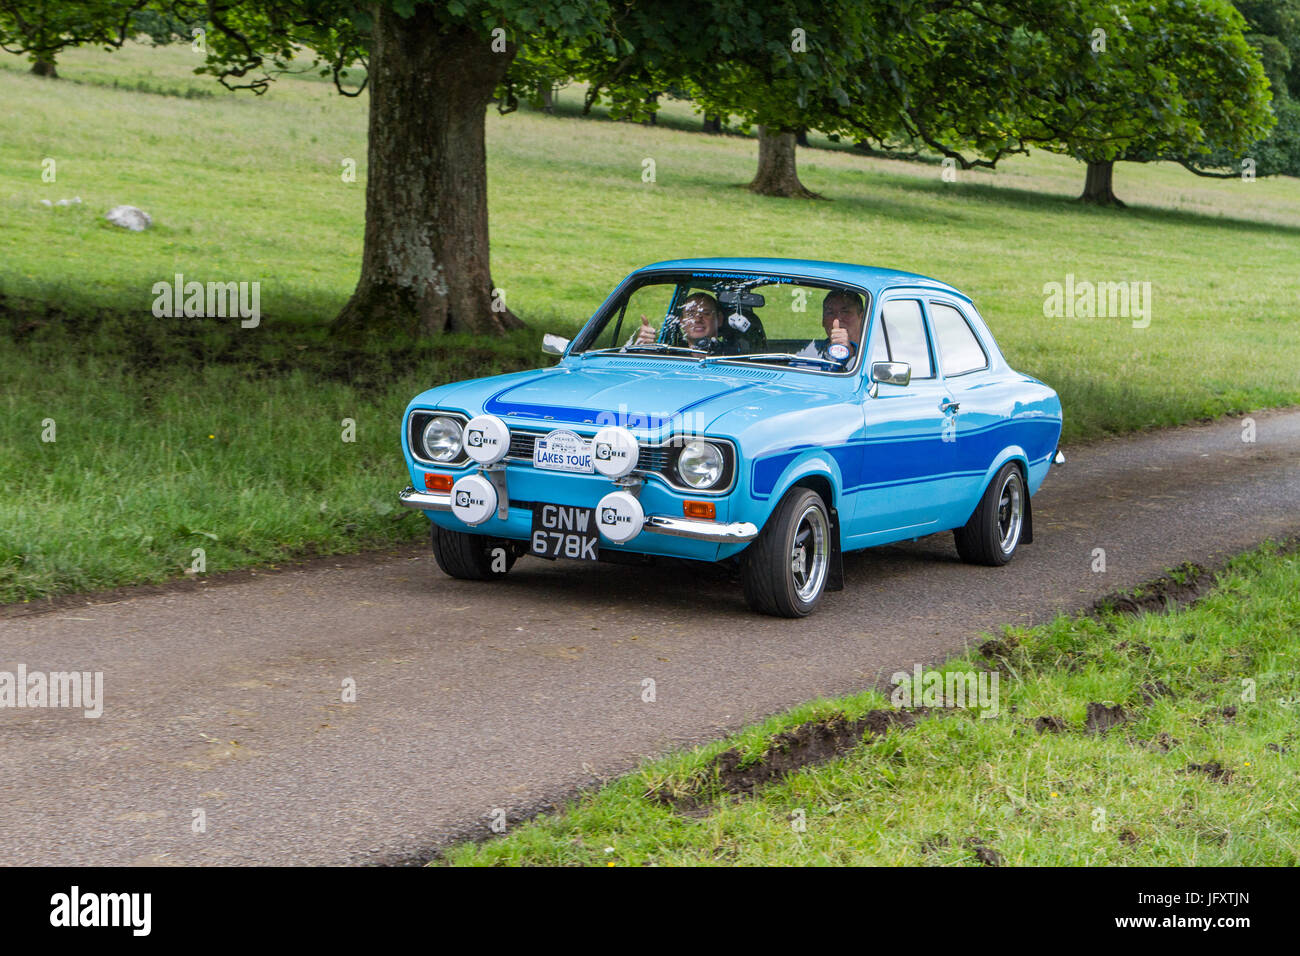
[(563, 450)]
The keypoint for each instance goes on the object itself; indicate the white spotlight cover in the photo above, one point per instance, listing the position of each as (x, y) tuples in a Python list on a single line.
[(473, 499), (487, 439), (619, 516), (614, 451)]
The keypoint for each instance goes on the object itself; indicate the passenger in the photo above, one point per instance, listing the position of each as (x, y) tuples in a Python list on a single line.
[(842, 314)]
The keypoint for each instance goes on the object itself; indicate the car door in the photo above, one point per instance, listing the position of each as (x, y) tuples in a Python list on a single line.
[(905, 454), (973, 432)]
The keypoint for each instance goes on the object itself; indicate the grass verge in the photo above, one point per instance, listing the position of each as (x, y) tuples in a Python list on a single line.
[(1164, 738), (168, 440)]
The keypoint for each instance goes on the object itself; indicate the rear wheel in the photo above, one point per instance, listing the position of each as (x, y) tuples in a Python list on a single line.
[(785, 569), (472, 557), (993, 532)]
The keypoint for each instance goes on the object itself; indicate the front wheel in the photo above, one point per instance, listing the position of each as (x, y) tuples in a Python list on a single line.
[(991, 535), (471, 557), (785, 569)]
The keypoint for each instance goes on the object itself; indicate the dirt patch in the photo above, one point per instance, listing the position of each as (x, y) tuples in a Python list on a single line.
[(1220, 713), (1162, 743), (998, 648), (1140, 648), (1128, 837), (1182, 585), (934, 843), (1101, 718), (1214, 770), (984, 853), (1153, 691), (1048, 724), (803, 746)]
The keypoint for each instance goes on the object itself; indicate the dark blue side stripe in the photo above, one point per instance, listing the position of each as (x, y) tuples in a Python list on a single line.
[(911, 459)]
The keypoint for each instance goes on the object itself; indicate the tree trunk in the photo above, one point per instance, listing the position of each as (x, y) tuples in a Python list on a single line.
[(801, 137), (777, 174), (712, 124), (1097, 188), (424, 267), (43, 66), (548, 99)]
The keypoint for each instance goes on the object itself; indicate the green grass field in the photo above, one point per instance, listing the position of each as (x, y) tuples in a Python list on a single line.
[(1202, 770), (243, 188)]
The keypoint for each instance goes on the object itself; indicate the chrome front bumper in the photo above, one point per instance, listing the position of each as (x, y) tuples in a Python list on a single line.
[(700, 529), (734, 532), (424, 500)]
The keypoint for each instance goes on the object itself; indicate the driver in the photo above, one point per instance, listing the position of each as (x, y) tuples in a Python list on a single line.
[(842, 313), (700, 316)]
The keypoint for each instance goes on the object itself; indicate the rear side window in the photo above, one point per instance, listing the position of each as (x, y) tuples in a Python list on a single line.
[(959, 350), (905, 336)]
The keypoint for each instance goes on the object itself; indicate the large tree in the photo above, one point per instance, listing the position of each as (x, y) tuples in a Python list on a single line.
[(432, 68), (1163, 79), (1273, 29), (940, 74), (430, 71), (42, 29)]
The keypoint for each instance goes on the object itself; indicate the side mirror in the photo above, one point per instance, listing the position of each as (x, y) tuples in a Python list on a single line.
[(891, 373), (554, 344)]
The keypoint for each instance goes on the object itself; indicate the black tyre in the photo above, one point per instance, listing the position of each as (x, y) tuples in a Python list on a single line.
[(785, 570), (471, 557), (993, 532)]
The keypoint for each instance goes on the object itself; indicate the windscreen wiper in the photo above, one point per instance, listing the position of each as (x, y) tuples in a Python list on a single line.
[(773, 357), (648, 347)]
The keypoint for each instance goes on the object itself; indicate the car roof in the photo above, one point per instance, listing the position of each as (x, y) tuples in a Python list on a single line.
[(872, 278)]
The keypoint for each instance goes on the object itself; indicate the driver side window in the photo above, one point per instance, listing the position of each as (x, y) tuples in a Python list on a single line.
[(652, 301), (905, 336)]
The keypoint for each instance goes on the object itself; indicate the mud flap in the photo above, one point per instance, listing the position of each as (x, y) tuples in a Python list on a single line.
[(1027, 535), (835, 573)]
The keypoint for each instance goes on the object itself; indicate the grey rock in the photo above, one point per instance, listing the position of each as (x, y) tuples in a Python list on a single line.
[(129, 217)]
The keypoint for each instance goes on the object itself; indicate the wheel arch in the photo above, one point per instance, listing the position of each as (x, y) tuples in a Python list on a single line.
[(826, 486), (1016, 455)]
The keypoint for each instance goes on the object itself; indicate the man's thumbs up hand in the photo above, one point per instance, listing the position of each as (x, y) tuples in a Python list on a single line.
[(646, 334), (839, 336)]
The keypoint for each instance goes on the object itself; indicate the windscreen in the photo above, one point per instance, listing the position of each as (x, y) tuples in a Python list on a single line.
[(733, 316)]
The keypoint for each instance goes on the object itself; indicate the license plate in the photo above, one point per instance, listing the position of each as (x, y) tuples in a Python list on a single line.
[(563, 450), (561, 531)]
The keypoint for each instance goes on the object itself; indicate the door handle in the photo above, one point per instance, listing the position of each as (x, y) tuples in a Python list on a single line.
[(948, 405)]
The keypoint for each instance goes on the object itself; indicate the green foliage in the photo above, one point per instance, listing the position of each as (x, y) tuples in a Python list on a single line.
[(44, 28), (1163, 79), (162, 27), (1274, 23), (1277, 153)]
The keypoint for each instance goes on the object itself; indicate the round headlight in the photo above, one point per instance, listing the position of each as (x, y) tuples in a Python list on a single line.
[(441, 439), (700, 464)]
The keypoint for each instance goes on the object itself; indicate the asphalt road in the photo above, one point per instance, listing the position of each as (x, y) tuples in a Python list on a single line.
[(471, 698)]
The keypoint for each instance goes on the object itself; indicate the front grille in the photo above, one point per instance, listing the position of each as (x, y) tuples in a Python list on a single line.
[(657, 458)]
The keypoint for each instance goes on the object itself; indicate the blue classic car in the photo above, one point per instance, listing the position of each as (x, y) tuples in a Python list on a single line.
[(773, 413)]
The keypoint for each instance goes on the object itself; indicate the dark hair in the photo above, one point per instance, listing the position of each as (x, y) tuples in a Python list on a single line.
[(848, 294), (713, 303)]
